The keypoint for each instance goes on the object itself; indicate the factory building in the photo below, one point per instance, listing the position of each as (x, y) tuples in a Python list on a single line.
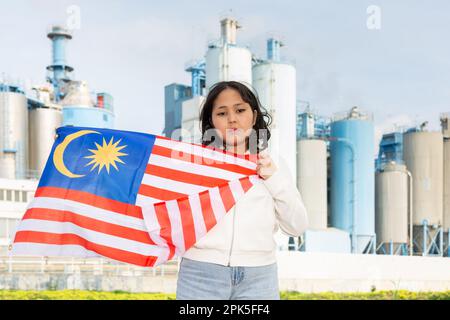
[(28, 123), (396, 204)]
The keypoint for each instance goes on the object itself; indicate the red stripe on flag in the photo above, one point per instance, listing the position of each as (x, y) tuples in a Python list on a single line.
[(227, 197), (187, 221), (90, 199), (183, 176), (89, 223), (184, 156), (73, 239), (245, 183), (166, 227), (161, 194), (165, 138), (207, 212)]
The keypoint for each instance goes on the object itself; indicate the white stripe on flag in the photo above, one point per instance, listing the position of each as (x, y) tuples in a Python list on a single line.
[(199, 221), (236, 189), (153, 229), (217, 203), (176, 226), (204, 152), (180, 165), (142, 200), (172, 185), (255, 179), (88, 211), (90, 235)]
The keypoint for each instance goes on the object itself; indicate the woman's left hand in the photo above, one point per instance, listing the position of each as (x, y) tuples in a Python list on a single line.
[(265, 166)]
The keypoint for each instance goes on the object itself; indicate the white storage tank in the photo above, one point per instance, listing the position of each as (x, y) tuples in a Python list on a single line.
[(43, 124), (445, 123), (225, 61), (312, 180), (392, 204), (423, 153), (13, 133), (446, 184), (190, 123), (275, 83)]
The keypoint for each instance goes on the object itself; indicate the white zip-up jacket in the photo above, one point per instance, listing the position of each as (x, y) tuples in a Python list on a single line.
[(245, 235)]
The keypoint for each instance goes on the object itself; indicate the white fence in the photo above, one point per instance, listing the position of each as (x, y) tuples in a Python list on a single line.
[(91, 266)]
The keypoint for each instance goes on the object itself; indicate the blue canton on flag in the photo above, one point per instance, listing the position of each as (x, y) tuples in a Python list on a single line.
[(104, 162)]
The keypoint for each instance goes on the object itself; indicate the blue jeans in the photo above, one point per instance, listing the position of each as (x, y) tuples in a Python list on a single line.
[(208, 281)]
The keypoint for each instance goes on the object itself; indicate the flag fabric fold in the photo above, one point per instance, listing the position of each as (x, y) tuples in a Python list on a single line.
[(132, 197)]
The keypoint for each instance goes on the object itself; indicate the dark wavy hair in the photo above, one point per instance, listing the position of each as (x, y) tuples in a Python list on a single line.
[(263, 118)]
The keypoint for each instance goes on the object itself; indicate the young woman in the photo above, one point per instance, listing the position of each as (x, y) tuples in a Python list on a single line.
[(236, 259)]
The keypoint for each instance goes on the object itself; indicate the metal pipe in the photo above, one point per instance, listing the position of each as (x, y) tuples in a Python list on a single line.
[(350, 145), (273, 49), (225, 65), (228, 29), (410, 195), (196, 82), (59, 37), (374, 244), (448, 244), (354, 242), (425, 236)]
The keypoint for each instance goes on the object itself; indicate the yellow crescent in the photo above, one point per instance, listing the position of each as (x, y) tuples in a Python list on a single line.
[(59, 153)]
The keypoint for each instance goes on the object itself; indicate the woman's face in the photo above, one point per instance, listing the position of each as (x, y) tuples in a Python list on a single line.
[(232, 117)]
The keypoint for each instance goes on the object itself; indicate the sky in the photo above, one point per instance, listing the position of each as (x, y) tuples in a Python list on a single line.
[(389, 57)]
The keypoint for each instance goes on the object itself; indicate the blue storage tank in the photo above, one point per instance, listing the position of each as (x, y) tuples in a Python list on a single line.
[(87, 117), (79, 108), (353, 197)]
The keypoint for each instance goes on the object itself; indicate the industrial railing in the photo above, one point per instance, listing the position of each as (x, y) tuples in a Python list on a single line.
[(88, 266)]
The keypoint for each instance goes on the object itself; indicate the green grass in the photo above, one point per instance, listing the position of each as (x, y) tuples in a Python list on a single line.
[(80, 295), (376, 295), (286, 295)]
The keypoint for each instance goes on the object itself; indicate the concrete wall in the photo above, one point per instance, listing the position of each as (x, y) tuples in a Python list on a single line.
[(318, 272)]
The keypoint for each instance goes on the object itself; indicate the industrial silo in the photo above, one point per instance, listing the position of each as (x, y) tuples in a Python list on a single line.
[(79, 108), (312, 180), (447, 193), (225, 61), (275, 84), (44, 120), (423, 153), (392, 209), (445, 123), (13, 132), (352, 179)]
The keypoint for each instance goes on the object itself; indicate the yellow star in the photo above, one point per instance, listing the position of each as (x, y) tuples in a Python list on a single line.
[(106, 155)]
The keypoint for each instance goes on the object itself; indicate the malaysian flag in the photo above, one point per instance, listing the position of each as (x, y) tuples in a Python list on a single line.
[(131, 197)]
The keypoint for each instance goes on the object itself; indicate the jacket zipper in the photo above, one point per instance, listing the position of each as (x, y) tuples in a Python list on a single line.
[(232, 235)]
